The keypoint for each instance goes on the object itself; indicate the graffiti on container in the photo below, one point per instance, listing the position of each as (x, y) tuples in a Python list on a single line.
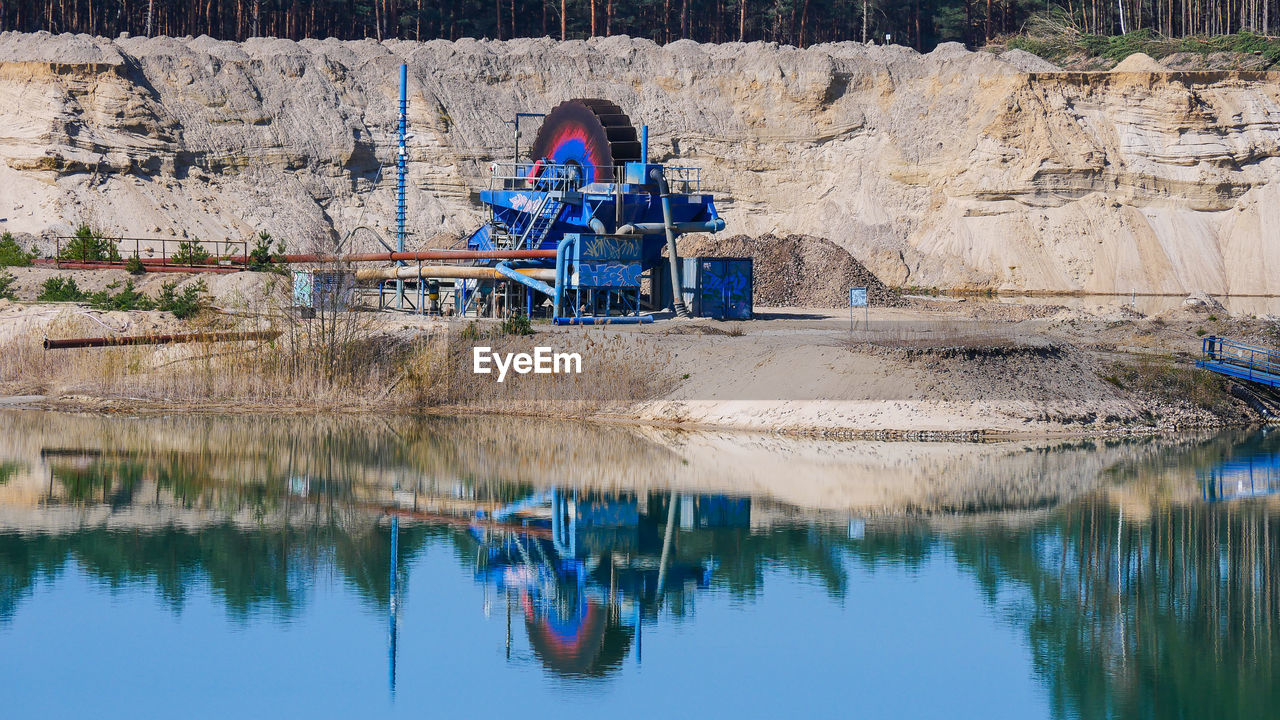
[(726, 288), (601, 247), (608, 274), (732, 285)]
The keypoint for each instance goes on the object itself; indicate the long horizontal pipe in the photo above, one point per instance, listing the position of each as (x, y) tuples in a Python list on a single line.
[(627, 320), (149, 267), (467, 272), (88, 342), (412, 256), (653, 228)]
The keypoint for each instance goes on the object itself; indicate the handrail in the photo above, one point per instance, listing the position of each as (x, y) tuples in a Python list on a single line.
[(1251, 357), (219, 252), (554, 176)]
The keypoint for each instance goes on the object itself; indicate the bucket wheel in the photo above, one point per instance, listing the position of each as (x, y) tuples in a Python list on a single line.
[(589, 137)]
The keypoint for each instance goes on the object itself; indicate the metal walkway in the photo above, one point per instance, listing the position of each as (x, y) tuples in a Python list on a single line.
[(1240, 361)]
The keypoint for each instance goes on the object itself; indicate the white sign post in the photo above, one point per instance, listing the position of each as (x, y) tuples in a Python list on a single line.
[(858, 298)]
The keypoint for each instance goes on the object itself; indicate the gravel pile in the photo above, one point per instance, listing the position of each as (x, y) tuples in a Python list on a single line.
[(796, 270)]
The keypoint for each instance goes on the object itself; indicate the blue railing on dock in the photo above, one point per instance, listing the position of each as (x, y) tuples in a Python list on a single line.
[(1240, 361)]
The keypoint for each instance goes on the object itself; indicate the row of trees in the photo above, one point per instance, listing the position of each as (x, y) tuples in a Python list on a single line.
[(919, 23)]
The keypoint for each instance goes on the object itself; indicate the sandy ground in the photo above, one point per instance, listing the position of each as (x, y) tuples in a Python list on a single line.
[(939, 367)]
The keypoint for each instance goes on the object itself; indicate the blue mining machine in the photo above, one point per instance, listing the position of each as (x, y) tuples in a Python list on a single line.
[(589, 193)]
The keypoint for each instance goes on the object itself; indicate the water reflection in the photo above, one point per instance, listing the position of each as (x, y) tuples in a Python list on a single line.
[(1142, 586)]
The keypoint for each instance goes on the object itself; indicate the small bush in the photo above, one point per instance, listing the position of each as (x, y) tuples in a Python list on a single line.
[(517, 325), (12, 254), (261, 258), (190, 252), (89, 245), (471, 331), (127, 298), (58, 289), (6, 287), (134, 266), (187, 303)]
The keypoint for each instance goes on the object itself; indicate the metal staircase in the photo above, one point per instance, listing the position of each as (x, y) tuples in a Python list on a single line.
[(543, 217)]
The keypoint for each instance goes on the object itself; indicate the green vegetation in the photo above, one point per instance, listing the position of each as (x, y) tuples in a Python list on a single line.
[(126, 299), (134, 266), (12, 254), (6, 286), (184, 303), (517, 325), (89, 245), (921, 24), (1058, 43), (261, 258), (1175, 383), (187, 303), (190, 252), (58, 289), (471, 331), (8, 469)]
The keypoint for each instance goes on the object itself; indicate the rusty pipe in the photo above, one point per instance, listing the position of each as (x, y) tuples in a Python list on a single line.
[(148, 265), (468, 272), (412, 256), (88, 342)]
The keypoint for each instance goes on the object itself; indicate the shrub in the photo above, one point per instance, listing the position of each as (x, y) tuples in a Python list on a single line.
[(517, 325), (261, 258), (126, 299), (89, 245), (58, 289), (190, 252), (190, 301), (6, 287), (12, 254), (134, 266)]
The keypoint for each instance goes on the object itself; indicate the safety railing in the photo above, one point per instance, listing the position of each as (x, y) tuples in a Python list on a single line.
[(101, 250), (684, 180), (1245, 361), (567, 177)]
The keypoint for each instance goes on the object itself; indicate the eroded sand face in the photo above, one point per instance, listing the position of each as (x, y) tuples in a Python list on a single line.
[(951, 169)]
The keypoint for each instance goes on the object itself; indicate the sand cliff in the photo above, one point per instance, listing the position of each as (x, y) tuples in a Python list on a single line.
[(952, 169)]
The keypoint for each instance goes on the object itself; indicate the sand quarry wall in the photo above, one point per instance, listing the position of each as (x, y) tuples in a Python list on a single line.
[(952, 169)]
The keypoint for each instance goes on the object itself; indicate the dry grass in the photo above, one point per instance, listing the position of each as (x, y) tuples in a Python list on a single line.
[(350, 360), (1174, 383)]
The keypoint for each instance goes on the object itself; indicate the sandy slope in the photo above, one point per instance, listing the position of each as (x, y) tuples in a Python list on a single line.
[(950, 169)]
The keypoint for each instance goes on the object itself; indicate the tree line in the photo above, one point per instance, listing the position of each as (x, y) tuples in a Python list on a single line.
[(921, 24)]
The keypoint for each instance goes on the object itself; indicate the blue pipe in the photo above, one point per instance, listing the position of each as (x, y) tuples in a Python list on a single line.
[(506, 269), (677, 302), (628, 320), (644, 144), (401, 168), (713, 225), (562, 266)]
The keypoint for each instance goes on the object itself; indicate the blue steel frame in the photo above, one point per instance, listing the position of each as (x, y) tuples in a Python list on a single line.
[(1238, 360), (545, 206)]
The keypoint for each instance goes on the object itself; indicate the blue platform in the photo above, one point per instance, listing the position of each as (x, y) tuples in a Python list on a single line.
[(1240, 361)]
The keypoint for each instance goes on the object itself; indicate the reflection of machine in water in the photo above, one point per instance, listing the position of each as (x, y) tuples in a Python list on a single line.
[(608, 564), (1250, 469)]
